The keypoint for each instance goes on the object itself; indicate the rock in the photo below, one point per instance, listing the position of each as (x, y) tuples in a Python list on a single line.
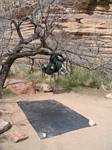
[(17, 136), (109, 96), (21, 88), (46, 88), (92, 123), (43, 135), (4, 126)]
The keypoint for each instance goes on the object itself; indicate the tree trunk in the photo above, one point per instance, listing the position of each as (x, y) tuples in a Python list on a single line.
[(4, 72)]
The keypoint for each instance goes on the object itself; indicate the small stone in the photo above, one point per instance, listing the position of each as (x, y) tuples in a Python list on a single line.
[(43, 135), (92, 123), (17, 137), (109, 96), (4, 126)]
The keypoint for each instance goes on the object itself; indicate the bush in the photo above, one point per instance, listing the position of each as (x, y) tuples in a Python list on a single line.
[(78, 78), (7, 93), (35, 77), (19, 70), (22, 71), (83, 77)]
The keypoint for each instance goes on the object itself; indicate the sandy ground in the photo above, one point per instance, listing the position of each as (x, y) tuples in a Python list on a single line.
[(92, 106)]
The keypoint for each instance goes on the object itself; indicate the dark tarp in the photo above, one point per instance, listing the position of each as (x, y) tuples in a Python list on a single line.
[(52, 117)]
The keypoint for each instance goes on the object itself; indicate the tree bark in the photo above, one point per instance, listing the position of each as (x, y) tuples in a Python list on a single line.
[(10, 60), (4, 72)]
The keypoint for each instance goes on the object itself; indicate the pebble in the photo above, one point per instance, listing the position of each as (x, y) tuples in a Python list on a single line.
[(92, 123), (109, 96)]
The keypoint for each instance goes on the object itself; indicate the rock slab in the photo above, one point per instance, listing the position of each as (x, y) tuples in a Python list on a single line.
[(16, 136)]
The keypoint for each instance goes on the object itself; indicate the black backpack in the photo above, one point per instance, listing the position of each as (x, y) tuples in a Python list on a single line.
[(54, 65)]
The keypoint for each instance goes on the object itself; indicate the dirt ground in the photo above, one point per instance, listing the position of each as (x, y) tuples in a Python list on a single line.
[(93, 106)]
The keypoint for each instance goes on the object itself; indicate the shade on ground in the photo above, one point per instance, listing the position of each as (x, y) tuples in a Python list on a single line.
[(52, 117)]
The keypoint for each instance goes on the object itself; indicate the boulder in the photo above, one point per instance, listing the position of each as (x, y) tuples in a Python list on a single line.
[(46, 88), (4, 126), (20, 87)]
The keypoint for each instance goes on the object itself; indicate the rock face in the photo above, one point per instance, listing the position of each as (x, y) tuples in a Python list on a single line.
[(87, 36)]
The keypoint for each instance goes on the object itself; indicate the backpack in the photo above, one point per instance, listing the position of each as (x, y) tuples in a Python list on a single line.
[(54, 65)]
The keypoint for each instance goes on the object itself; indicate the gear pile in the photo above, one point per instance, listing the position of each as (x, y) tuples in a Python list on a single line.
[(55, 64)]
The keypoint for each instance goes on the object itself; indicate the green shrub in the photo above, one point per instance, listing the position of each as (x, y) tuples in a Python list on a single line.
[(7, 93), (19, 70), (35, 77), (83, 77), (78, 78), (22, 71)]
